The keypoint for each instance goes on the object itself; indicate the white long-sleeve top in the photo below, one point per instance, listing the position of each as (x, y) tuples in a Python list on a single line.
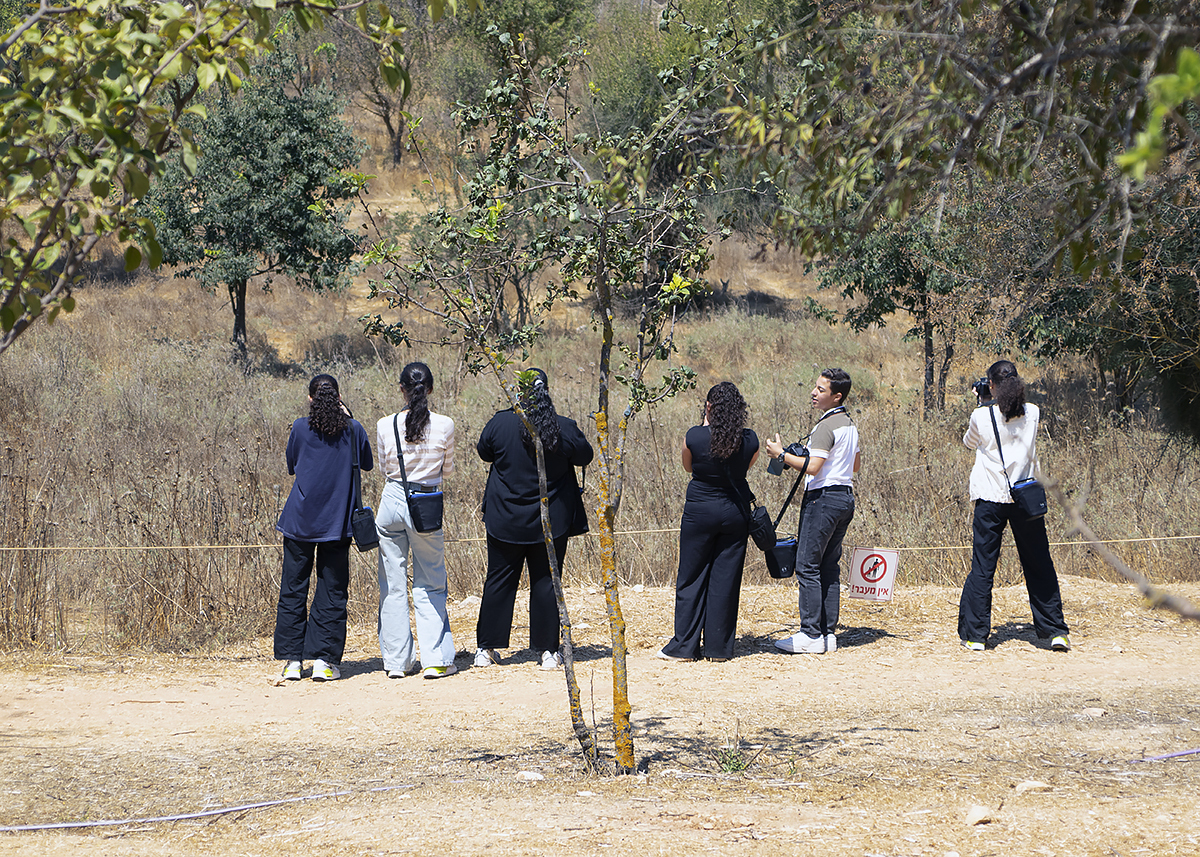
[(1019, 436), (425, 462)]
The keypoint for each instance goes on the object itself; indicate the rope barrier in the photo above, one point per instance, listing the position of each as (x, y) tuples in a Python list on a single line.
[(83, 548), (208, 813)]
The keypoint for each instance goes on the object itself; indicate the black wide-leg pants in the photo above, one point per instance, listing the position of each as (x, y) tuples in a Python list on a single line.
[(1041, 580), (712, 555), (322, 632), (505, 561)]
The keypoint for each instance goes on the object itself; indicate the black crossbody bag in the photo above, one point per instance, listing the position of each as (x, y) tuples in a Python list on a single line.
[(1028, 494), (362, 519), (425, 507)]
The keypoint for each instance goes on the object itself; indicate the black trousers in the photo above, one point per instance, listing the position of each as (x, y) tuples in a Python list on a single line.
[(505, 561), (1041, 581), (322, 632), (712, 555)]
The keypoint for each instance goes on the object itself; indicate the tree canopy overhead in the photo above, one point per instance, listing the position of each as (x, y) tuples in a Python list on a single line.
[(897, 100)]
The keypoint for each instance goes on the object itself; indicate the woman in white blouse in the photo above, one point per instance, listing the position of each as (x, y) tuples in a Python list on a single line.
[(1013, 422), (426, 441)]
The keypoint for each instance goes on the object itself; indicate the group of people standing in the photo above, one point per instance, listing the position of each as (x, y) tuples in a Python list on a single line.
[(715, 526), (415, 448)]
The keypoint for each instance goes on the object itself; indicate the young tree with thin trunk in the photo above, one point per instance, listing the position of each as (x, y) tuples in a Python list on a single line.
[(550, 200)]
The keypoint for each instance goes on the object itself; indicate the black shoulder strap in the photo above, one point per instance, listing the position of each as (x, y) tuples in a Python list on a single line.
[(400, 452), (999, 447), (357, 477)]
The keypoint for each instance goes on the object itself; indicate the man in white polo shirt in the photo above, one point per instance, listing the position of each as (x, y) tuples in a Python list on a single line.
[(825, 513)]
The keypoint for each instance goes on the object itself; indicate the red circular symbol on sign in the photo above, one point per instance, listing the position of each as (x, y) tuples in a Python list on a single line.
[(873, 568)]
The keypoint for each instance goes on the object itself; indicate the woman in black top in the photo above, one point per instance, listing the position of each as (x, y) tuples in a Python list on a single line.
[(713, 531), (512, 516)]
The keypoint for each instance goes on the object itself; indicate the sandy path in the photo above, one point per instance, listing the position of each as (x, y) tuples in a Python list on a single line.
[(881, 748)]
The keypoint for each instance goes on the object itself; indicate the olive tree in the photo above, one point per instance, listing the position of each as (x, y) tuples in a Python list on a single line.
[(92, 101)]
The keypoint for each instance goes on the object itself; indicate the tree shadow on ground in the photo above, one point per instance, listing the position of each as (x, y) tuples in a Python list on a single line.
[(785, 749)]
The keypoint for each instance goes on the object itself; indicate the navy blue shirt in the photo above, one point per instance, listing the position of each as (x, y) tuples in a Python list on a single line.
[(322, 498)]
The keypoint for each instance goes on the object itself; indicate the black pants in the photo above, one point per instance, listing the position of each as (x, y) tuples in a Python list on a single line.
[(322, 633), (505, 561), (1041, 581), (712, 555)]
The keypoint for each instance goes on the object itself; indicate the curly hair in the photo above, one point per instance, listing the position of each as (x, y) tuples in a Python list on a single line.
[(726, 419), (325, 414), (1007, 388), (417, 382), (536, 403)]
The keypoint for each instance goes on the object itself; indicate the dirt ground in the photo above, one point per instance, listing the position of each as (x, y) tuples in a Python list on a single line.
[(900, 743)]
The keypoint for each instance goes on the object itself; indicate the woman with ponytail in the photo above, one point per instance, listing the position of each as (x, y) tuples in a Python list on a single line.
[(426, 442), (316, 531), (1004, 437), (713, 531), (512, 516)]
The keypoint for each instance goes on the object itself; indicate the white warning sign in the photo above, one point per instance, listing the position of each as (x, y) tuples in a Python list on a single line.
[(873, 574)]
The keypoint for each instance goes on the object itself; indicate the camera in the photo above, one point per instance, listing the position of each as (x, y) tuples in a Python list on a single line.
[(775, 465), (981, 389)]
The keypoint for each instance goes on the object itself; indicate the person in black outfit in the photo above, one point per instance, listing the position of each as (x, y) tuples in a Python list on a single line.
[(714, 529), (512, 517)]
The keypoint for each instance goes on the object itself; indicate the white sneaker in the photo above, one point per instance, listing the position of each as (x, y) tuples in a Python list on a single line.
[(551, 660), (1061, 643), (403, 673), (291, 671), (973, 646), (325, 672), (801, 643), (830, 642), (486, 658), (664, 656), (440, 672)]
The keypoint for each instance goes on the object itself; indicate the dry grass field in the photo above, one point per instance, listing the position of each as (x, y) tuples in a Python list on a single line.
[(900, 743)]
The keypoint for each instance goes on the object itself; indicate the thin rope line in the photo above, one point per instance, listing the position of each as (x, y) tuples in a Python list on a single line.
[(618, 533), (190, 815)]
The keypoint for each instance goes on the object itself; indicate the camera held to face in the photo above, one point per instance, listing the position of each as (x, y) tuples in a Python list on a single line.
[(981, 389), (775, 465)]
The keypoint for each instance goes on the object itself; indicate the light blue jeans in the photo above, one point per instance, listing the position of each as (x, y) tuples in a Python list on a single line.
[(396, 539)]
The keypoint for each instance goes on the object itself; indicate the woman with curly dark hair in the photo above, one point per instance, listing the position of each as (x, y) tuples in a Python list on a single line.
[(713, 531), (512, 516), (424, 442), (315, 523)]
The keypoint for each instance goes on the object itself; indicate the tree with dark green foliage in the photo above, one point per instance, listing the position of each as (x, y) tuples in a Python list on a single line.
[(263, 200), (906, 267), (93, 100)]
